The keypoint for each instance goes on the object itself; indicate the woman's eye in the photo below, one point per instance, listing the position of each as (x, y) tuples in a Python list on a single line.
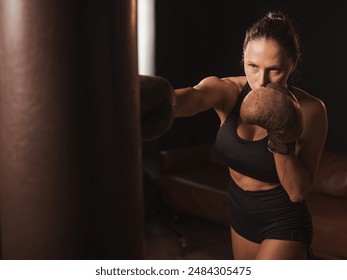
[(275, 70)]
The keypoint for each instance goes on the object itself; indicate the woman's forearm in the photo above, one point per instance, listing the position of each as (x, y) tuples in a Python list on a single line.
[(187, 102), (294, 176)]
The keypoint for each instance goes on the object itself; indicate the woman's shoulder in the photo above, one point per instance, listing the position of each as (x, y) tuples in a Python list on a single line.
[(227, 88), (238, 81), (310, 105), (306, 99)]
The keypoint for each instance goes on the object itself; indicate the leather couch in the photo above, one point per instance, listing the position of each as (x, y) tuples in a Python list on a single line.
[(194, 180)]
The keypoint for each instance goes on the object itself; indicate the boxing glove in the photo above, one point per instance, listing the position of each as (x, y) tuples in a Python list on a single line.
[(157, 106), (275, 109)]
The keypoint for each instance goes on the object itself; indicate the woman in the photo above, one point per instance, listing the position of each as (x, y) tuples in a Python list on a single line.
[(267, 192)]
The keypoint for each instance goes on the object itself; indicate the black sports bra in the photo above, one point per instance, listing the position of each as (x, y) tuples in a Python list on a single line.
[(250, 158)]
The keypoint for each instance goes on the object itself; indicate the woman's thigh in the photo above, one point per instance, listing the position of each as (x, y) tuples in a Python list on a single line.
[(274, 249), (269, 249), (242, 248)]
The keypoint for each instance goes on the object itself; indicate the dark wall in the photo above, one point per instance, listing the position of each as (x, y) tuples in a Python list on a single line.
[(198, 38)]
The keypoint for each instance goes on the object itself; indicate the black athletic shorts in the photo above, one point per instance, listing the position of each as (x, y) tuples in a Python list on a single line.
[(259, 215)]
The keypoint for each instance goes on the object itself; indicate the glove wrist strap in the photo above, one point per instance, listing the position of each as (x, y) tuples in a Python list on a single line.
[(280, 148)]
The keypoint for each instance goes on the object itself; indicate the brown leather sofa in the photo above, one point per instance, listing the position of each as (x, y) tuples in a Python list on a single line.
[(194, 180)]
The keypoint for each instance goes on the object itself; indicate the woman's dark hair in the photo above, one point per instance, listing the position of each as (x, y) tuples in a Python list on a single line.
[(276, 26)]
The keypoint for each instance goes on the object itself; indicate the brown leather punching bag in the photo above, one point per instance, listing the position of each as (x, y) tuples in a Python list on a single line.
[(70, 148)]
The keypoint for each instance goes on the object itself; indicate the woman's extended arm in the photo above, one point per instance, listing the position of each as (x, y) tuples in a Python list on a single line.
[(211, 92)]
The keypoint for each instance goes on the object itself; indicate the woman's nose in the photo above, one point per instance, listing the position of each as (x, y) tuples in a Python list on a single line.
[(263, 79)]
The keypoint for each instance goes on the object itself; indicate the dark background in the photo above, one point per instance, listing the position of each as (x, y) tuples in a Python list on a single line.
[(198, 38)]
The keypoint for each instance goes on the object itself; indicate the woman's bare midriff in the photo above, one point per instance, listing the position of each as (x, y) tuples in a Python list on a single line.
[(250, 184)]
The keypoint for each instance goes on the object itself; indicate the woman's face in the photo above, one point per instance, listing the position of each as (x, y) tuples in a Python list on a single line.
[(266, 62)]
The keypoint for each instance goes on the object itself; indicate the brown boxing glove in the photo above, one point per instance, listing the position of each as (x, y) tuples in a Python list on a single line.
[(157, 106), (275, 109)]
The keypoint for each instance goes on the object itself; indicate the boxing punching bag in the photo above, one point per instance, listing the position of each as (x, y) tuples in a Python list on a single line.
[(70, 157)]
